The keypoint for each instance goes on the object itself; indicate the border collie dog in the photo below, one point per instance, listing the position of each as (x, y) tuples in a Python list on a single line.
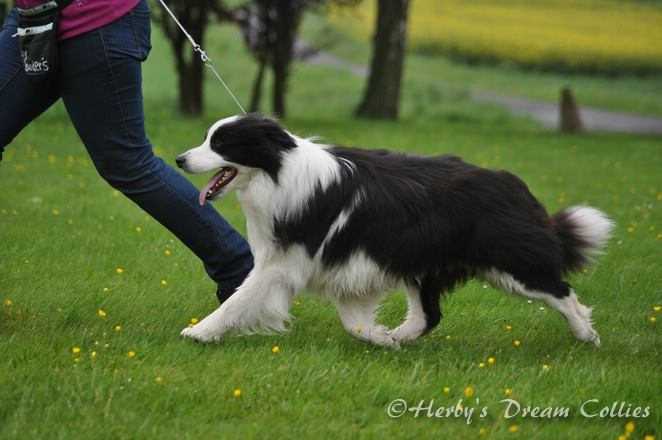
[(355, 224)]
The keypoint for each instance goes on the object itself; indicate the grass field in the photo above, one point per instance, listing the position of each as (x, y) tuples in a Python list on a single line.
[(66, 372), (603, 36)]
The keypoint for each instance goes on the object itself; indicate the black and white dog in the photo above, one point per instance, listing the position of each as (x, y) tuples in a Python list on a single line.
[(356, 224)]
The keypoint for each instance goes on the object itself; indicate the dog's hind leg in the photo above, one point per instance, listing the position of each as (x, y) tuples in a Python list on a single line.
[(262, 302), (416, 322), (358, 317), (424, 312), (562, 298)]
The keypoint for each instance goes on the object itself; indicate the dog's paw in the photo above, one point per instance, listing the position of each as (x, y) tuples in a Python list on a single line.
[(199, 333)]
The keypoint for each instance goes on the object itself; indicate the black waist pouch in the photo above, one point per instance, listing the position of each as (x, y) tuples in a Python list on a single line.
[(37, 35)]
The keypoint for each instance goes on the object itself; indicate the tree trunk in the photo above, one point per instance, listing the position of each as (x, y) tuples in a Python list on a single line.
[(257, 88), (286, 26), (193, 15), (570, 121), (382, 94)]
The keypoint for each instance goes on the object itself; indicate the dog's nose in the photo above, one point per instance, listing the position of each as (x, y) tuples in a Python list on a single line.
[(181, 160)]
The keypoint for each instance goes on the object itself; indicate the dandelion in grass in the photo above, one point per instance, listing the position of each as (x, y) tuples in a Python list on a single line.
[(509, 327), (545, 368), (75, 350), (448, 337), (649, 437), (446, 390), (513, 429), (138, 229), (481, 365), (482, 431), (469, 391), (508, 391), (102, 313), (193, 322), (131, 354), (167, 252), (105, 290), (158, 380), (275, 349), (236, 393), (657, 308), (629, 427), (118, 328), (8, 302), (164, 282), (296, 302), (55, 212), (652, 319), (491, 360), (517, 343), (93, 355), (119, 271)]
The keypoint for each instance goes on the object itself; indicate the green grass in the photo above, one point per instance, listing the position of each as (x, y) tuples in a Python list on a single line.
[(322, 383)]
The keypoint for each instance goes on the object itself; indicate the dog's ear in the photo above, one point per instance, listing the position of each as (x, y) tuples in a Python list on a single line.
[(254, 140)]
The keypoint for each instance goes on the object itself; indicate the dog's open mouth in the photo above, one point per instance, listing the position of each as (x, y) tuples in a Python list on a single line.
[(216, 184)]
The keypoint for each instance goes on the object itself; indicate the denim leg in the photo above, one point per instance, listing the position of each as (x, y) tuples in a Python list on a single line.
[(20, 100), (101, 89)]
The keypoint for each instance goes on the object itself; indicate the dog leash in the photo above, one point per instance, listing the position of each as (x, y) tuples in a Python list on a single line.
[(203, 55)]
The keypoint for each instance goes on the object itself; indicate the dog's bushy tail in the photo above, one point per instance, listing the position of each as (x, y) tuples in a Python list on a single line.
[(584, 232)]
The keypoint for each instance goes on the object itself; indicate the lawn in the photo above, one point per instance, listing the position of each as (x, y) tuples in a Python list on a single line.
[(68, 371)]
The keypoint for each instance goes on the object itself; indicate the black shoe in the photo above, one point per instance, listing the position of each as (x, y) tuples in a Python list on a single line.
[(224, 294)]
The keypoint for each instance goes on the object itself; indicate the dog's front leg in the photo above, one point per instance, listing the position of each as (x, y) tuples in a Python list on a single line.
[(262, 302)]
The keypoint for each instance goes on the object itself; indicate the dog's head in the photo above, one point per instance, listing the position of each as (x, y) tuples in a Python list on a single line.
[(238, 147)]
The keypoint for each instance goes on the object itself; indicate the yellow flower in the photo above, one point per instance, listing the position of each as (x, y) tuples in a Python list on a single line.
[(132, 354), (159, 380), (482, 431), (657, 308), (93, 354), (296, 302), (446, 390), (194, 321), (55, 212), (75, 350), (649, 437), (490, 360), (448, 337), (9, 302), (102, 313), (508, 391), (652, 319), (164, 282), (622, 437), (517, 342), (105, 290), (167, 252), (237, 393), (469, 391), (513, 429), (275, 349), (118, 328), (631, 229), (545, 367), (70, 221), (629, 427), (481, 365), (119, 270), (139, 229)]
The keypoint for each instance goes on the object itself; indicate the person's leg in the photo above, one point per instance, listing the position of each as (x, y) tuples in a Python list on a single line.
[(101, 89), (20, 100)]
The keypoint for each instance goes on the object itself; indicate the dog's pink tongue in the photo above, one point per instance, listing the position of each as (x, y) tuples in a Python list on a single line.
[(205, 189)]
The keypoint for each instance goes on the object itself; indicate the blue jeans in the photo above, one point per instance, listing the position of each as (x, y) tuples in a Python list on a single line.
[(100, 85)]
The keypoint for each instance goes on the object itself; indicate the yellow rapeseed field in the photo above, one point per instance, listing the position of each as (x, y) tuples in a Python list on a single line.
[(606, 36)]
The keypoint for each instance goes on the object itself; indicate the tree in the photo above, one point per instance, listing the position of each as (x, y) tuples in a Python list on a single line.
[(194, 15), (382, 94), (270, 29)]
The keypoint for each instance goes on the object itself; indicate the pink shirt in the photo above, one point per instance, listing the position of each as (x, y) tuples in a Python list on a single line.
[(85, 15)]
